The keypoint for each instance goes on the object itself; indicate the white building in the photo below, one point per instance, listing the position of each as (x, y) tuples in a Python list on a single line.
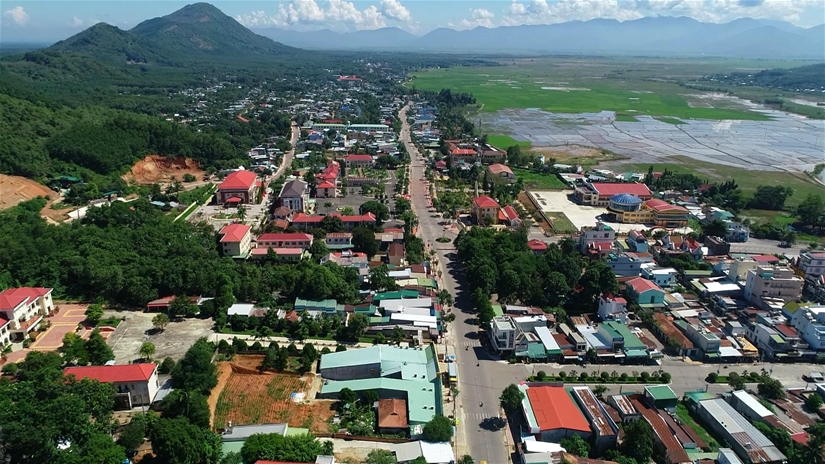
[(503, 334), (769, 287), (137, 382), (812, 263), (810, 323), (236, 240), (295, 195), (612, 308), (601, 236), (21, 311)]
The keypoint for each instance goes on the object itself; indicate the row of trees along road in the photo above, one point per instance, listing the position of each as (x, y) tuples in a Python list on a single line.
[(500, 263)]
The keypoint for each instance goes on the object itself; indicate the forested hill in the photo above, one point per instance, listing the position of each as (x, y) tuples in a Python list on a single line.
[(196, 33), (809, 78)]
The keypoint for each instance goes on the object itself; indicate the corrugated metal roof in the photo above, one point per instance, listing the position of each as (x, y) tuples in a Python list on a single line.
[(747, 400), (741, 430)]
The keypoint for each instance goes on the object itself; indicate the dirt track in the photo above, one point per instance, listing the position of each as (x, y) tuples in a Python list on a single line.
[(156, 168)]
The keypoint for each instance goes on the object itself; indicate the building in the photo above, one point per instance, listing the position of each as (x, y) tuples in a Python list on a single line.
[(491, 155), (236, 240), (339, 240), (396, 254), (485, 210), (811, 263), (303, 221), (623, 405), (645, 292), (624, 265), (661, 276), (238, 187), (664, 438), (661, 396), (703, 338), (502, 171), (745, 440), (637, 241), (392, 416), (599, 194), (136, 384), (727, 456), (433, 453), (359, 161), (295, 196), (551, 414), (600, 237), (394, 372), (809, 321), (503, 334), (325, 189), (285, 240), (537, 246), (605, 431), (612, 308), (22, 310), (770, 287), (630, 209)]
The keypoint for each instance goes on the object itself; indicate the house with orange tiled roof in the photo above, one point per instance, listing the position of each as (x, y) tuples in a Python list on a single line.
[(552, 414), (502, 171), (485, 210), (137, 383), (22, 310), (236, 240), (238, 187)]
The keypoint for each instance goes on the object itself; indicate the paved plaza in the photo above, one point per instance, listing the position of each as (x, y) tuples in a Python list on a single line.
[(580, 215), (786, 143)]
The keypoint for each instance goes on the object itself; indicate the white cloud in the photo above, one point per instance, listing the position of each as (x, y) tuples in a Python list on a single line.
[(480, 17), (18, 15), (542, 12), (393, 9), (76, 22), (340, 15)]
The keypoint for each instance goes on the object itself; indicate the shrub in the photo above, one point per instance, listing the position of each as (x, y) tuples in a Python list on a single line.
[(256, 346), (605, 376), (562, 375), (541, 375), (10, 369), (645, 376), (712, 377), (584, 376), (166, 366), (665, 377), (623, 377)]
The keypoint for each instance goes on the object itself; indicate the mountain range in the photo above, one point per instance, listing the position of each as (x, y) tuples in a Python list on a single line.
[(196, 32), (647, 36)]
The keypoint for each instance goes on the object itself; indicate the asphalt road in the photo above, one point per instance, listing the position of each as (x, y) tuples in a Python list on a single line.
[(478, 373)]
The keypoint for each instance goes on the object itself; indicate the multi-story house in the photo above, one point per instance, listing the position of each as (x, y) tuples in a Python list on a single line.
[(809, 322), (637, 241), (661, 276), (485, 210), (771, 286), (703, 339), (136, 382), (295, 196), (602, 235), (812, 263), (238, 187), (612, 308), (359, 161), (236, 240), (339, 240), (624, 265), (21, 311)]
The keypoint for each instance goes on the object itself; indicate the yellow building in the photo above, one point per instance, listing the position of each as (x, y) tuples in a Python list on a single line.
[(629, 209)]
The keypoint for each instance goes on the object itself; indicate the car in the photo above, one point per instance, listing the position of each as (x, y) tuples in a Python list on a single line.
[(814, 377)]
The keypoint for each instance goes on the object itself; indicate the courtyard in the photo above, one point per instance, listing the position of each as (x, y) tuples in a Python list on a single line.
[(579, 215), (137, 328)]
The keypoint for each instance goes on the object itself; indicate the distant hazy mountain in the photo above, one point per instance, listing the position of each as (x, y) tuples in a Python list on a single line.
[(194, 33), (649, 36)]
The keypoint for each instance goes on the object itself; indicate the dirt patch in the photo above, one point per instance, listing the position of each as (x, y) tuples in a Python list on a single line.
[(16, 189), (156, 168), (528, 205), (245, 396)]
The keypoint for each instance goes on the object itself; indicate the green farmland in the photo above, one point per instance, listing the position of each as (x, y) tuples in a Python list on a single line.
[(630, 87)]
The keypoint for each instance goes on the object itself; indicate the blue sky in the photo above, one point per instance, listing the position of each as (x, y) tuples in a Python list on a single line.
[(45, 21)]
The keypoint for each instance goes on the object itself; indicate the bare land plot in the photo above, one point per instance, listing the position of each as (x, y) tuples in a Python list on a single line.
[(137, 328), (156, 168)]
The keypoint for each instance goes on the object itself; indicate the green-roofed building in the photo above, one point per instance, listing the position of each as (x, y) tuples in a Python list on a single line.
[(427, 282), (497, 310), (396, 295), (633, 348), (695, 397), (322, 307), (393, 372), (661, 396)]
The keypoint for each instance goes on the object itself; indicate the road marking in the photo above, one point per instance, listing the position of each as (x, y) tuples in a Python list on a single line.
[(471, 343)]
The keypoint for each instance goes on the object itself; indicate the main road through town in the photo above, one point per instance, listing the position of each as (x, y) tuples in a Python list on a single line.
[(482, 376)]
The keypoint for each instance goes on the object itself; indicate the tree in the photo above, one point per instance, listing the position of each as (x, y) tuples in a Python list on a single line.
[(93, 314), (233, 457), (813, 452), (770, 388), (74, 349), (575, 445), (99, 352), (191, 405), (177, 441), (638, 441), (369, 396), (466, 459), (771, 197), (380, 279), (813, 402), (318, 250), (328, 205), (182, 306), (100, 448), (363, 240), (511, 398), (438, 429), (811, 212), (356, 326), (166, 366), (134, 434), (381, 212), (397, 336), (241, 212), (276, 447), (445, 298), (147, 349), (160, 321), (600, 390), (339, 348), (195, 372), (379, 456), (715, 228), (735, 381), (332, 224), (347, 396)]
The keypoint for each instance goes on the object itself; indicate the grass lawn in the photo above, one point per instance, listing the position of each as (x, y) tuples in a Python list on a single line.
[(580, 86), (505, 141), (621, 117), (683, 414), (537, 180), (673, 121), (747, 180), (561, 225)]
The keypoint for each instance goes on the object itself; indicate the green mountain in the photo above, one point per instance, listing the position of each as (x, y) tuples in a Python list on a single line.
[(195, 33)]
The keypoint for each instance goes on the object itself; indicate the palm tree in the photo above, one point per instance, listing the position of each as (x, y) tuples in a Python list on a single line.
[(241, 213), (327, 206)]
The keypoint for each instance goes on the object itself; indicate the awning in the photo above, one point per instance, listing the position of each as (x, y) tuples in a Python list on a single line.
[(536, 351), (712, 355), (233, 200)]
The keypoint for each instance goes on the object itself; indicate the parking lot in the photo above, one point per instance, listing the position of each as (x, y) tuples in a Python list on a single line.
[(137, 328), (579, 215)]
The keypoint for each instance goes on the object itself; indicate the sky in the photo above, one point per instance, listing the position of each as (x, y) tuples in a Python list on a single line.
[(49, 21)]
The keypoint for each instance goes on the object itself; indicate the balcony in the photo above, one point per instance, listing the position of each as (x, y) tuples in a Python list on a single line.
[(27, 326)]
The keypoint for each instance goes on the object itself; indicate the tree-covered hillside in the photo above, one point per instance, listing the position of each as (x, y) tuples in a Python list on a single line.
[(809, 78)]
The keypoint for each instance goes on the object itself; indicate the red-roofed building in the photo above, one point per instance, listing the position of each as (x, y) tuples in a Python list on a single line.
[(459, 154), (441, 165), (765, 259), (137, 382), (537, 246), (556, 415), (240, 185), (485, 210), (359, 161), (612, 308), (24, 309), (303, 221), (162, 304), (598, 194), (325, 189), (508, 215), (502, 171), (236, 240), (284, 240), (644, 292)]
